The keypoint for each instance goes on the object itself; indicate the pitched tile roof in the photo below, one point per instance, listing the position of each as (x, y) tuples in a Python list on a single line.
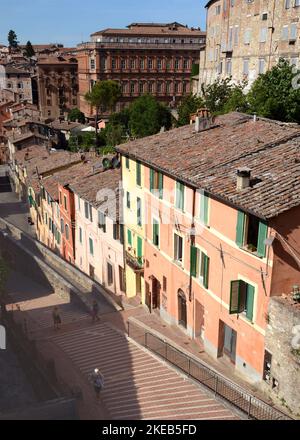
[(209, 160)]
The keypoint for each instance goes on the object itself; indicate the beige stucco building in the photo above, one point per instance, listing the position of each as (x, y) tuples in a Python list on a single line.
[(247, 37)]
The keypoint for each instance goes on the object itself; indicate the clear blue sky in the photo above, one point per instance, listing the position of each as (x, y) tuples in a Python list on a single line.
[(71, 21)]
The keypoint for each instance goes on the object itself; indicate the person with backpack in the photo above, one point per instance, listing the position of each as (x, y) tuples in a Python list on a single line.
[(98, 382)]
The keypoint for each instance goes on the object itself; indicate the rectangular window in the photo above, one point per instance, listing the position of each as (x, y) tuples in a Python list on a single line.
[(110, 277), (127, 163), (293, 32), (178, 248), (251, 233), (128, 199), (65, 203), (285, 33), (200, 265), (155, 233), (246, 67), (261, 66), (287, 4), (247, 36), (102, 221), (80, 235), (139, 211), (93, 64), (179, 197), (91, 245), (242, 298), (156, 183), (86, 209), (263, 35), (138, 174)]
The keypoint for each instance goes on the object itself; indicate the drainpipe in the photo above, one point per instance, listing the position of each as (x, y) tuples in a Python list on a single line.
[(192, 237)]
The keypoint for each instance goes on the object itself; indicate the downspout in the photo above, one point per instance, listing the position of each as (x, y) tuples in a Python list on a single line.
[(192, 243), (271, 39)]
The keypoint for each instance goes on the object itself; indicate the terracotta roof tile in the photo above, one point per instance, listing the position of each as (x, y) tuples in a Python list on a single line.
[(209, 160)]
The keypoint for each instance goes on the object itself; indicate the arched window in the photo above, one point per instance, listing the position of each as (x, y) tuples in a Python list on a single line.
[(62, 226), (182, 311)]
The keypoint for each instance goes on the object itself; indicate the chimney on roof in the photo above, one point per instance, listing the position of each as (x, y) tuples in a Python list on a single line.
[(243, 178), (203, 119)]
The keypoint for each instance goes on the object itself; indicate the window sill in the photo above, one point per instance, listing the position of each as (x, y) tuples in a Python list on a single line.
[(254, 253)]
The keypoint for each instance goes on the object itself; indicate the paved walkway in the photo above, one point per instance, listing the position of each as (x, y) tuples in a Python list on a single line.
[(137, 384)]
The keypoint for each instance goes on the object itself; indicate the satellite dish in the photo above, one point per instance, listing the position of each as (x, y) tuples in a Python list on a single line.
[(106, 163), (115, 163)]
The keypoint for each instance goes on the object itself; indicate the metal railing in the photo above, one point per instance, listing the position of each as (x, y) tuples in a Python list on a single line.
[(250, 405)]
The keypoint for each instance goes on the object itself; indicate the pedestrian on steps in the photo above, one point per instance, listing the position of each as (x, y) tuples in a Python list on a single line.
[(98, 382), (95, 311), (56, 318)]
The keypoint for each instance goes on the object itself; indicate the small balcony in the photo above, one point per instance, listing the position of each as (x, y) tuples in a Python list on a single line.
[(136, 263)]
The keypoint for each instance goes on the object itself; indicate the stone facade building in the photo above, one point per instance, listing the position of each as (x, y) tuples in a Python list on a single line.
[(15, 80), (144, 58), (57, 85), (247, 37)]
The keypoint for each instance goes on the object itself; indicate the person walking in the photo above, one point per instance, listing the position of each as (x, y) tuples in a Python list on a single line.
[(98, 382), (56, 318), (95, 311)]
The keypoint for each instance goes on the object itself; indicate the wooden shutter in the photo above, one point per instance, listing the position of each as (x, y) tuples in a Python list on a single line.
[(161, 185), (238, 292), (155, 233), (138, 174), (151, 179), (262, 235), (250, 302), (129, 237), (193, 265), (204, 209), (122, 234), (205, 270), (240, 228)]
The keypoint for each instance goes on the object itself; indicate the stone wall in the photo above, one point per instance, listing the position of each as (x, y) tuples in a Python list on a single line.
[(284, 384)]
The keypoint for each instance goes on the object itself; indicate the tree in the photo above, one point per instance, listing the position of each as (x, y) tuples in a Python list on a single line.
[(275, 94), (223, 96), (29, 51), (76, 115), (114, 134), (189, 105), (12, 39), (148, 116), (103, 97)]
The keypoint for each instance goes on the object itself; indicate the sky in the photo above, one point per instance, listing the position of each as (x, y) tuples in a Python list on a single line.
[(70, 22)]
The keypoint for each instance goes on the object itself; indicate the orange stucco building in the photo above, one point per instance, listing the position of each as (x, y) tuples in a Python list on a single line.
[(221, 228)]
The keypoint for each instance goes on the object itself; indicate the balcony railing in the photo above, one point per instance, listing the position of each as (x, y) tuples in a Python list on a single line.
[(136, 263)]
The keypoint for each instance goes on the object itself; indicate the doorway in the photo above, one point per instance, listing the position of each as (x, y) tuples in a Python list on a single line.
[(182, 309), (228, 338), (155, 294), (92, 271)]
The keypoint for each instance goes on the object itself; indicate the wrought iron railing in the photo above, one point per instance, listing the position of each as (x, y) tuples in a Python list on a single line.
[(250, 405)]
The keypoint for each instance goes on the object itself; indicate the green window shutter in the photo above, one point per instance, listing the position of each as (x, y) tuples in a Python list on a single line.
[(138, 174), (155, 233), (262, 235), (205, 270), (240, 227), (204, 209), (250, 302), (129, 237), (194, 253), (161, 185), (238, 292), (127, 162), (151, 179), (179, 195), (140, 250)]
